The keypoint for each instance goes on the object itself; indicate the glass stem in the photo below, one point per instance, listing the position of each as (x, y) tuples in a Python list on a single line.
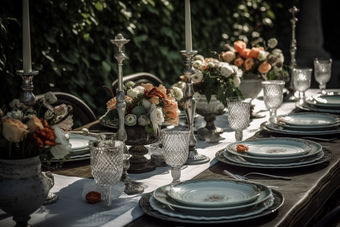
[(272, 112), (176, 174), (107, 198), (322, 88), (238, 135)]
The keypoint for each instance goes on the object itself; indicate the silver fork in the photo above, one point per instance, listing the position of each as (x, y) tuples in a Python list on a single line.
[(236, 176)]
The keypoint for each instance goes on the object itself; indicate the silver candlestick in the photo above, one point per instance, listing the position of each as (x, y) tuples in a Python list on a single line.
[(190, 109), (293, 49), (27, 97), (130, 188)]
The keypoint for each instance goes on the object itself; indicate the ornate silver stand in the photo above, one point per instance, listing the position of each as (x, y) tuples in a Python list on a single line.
[(293, 49), (130, 188), (190, 108)]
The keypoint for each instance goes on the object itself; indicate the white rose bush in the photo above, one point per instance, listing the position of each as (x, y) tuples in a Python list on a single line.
[(215, 77)]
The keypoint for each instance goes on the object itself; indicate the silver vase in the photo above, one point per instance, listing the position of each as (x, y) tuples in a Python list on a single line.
[(23, 188), (210, 133)]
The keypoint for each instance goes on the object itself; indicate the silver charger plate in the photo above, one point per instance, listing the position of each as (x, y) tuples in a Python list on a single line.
[(314, 149), (278, 129), (220, 156), (146, 207)]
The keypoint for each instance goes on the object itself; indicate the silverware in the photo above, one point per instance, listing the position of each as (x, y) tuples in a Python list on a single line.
[(236, 176), (320, 139)]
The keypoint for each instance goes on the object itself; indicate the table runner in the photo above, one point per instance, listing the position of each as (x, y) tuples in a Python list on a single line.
[(72, 210)]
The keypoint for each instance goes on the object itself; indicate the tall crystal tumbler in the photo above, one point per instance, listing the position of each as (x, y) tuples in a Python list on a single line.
[(176, 151), (273, 95), (302, 79), (238, 115), (322, 72), (106, 165)]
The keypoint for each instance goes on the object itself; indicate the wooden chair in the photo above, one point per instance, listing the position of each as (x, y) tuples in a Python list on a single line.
[(82, 113), (138, 78)]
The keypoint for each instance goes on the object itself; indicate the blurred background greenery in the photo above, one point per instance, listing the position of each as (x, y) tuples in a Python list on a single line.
[(71, 45)]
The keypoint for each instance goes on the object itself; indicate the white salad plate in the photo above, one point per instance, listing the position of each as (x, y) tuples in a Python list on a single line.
[(161, 194), (178, 214), (274, 147), (80, 143), (315, 148), (214, 193), (301, 162)]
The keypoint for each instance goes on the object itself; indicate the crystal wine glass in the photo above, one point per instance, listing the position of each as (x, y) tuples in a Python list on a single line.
[(322, 72), (176, 151), (106, 165), (302, 79), (238, 115), (273, 95)]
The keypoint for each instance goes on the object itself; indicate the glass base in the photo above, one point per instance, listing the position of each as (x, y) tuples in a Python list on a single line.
[(195, 158), (51, 198)]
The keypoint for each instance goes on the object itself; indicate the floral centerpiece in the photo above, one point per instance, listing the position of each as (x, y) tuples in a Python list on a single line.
[(146, 106), (27, 132), (261, 58), (215, 77)]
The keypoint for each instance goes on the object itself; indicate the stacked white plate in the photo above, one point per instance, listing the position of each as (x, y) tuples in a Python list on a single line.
[(328, 103), (275, 152), (212, 199), (305, 123), (80, 145)]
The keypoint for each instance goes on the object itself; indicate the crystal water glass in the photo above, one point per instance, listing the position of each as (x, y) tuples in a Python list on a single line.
[(238, 115), (322, 72), (176, 151), (273, 95), (302, 80), (106, 166)]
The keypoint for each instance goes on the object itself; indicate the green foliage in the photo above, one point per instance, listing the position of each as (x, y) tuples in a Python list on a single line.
[(71, 45)]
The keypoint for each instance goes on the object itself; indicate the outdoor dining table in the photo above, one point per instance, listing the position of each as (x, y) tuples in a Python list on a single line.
[(311, 191)]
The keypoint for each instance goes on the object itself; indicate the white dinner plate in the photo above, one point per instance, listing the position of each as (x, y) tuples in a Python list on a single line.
[(161, 195), (241, 160), (178, 214), (214, 193), (287, 160), (274, 147), (279, 129)]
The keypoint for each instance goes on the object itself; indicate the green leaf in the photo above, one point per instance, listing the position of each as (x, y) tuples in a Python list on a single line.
[(99, 6), (106, 66), (148, 129)]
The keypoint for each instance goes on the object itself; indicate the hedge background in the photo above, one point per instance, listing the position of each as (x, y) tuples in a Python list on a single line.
[(71, 45)]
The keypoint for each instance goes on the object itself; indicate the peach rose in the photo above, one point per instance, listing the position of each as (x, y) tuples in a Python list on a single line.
[(170, 105), (172, 121), (111, 104), (147, 86), (13, 130), (245, 53), (248, 64), (154, 100), (183, 78), (228, 56), (264, 67), (239, 46), (238, 62), (254, 53), (162, 89), (261, 48), (34, 124), (204, 66)]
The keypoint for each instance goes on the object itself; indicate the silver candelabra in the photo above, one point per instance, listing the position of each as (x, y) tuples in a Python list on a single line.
[(293, 49), (190, 109)]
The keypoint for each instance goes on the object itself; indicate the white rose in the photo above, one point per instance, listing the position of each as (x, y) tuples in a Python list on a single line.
[(272, 43), (197, 64), (63, 146), (50, 98), (198, 76), (140, 89), (199, 57), (226, 70), (197, 96), (237, 81), (238, 72), (156, 117), (176, 92), (16, 114), (146, 104), (143, 120), (132, 93), (262, 55)]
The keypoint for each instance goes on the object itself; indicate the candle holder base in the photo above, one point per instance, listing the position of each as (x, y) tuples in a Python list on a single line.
[(27, 97), (195, 158)]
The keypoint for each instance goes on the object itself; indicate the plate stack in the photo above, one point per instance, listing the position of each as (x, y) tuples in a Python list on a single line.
[(211, 201), (328, 103), (305, 123), (275, 153), (80, 145)]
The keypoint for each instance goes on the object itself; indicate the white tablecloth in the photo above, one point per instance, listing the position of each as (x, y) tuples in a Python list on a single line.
[(71, 210)]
